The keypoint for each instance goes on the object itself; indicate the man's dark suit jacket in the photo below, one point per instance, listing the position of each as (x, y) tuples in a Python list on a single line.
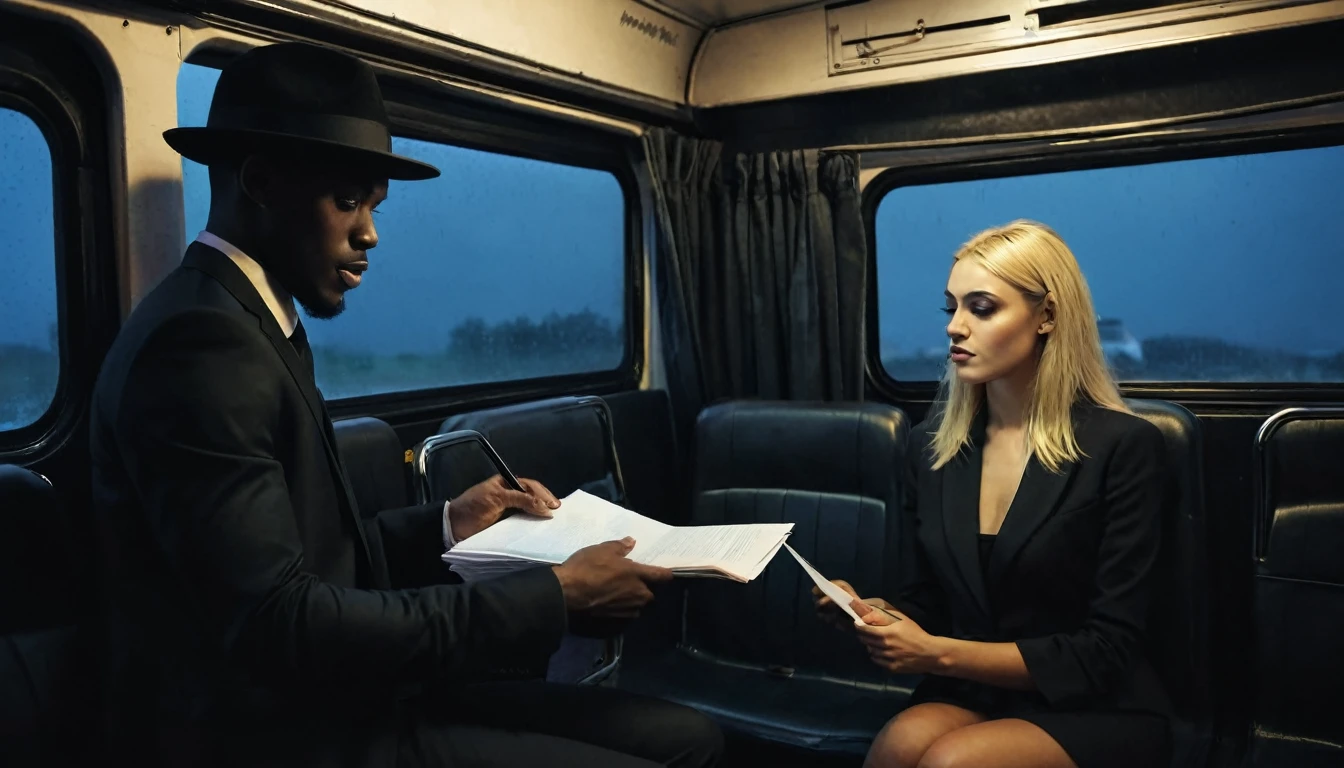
[(251, 617), (1069, 574)]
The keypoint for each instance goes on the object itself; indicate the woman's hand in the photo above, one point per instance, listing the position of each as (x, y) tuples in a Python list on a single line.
[(831, 613), (895, 642)]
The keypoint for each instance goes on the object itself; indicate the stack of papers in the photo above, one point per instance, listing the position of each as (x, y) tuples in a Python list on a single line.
[(736, 552)]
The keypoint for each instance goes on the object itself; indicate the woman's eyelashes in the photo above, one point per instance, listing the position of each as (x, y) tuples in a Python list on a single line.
[(979, 309)]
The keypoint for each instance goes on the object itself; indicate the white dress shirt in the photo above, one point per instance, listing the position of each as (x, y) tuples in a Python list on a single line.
[(281, 304)]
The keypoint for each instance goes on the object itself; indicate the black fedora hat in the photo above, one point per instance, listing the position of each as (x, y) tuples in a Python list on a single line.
[(293, 98)]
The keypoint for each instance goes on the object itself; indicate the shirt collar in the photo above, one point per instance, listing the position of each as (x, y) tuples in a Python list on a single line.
[(276, 298)]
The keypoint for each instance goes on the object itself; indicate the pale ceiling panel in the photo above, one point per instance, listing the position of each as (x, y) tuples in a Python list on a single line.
[(714, 12)]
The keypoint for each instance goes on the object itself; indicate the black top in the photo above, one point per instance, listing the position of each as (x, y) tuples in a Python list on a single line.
[(986, 547)]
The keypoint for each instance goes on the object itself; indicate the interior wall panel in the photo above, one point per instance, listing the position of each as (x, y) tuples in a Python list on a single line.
[(618, 42)]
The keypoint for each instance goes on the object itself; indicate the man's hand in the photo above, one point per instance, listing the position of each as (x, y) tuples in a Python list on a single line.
[(601, 581), (483, 504)]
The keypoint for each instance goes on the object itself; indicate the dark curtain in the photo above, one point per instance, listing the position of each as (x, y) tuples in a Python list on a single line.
[(762, 264)]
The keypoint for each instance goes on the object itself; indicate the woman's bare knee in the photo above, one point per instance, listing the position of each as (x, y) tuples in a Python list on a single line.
[(947, 753), (893, 748), (997, 744), (904, 740)]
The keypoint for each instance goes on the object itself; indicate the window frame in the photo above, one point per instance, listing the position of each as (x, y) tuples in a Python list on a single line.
[(417, 110), (1113, 152), (85, 291)]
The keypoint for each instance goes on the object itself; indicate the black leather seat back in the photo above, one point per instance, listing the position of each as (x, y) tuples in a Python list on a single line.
[(34, 552), (834, 470), (374, 462), (46, 687), (1299, 589), (1179, 623), (566, 443)]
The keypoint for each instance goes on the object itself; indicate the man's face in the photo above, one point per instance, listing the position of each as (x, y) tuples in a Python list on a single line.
[(318, 230)]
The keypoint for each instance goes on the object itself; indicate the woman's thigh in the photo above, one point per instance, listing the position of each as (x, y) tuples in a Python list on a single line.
[(903, 741), (1007, 743)]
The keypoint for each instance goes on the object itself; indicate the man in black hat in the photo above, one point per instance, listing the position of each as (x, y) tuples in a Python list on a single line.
[(253, 618)]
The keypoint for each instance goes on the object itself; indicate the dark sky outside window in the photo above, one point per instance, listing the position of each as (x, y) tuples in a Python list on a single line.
[(534, 251), (29, 366), (1244, 251), (1220, 269)]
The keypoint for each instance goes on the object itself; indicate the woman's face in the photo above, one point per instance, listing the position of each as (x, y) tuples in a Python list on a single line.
[(994, 329)]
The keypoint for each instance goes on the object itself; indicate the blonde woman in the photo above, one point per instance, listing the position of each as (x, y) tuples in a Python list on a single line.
[(1034, 498)]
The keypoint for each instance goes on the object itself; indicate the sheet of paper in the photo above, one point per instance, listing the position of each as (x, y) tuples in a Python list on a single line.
[(736, 548), (582, 520), (737, 552), (840, 596)]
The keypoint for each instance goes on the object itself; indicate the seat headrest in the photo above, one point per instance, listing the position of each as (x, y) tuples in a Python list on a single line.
[(26, 489), (34, 554), (1300, 452), (565, 442), (1179, 426), (851, 448), (374, 462), (1300, 512), (1185, 453)]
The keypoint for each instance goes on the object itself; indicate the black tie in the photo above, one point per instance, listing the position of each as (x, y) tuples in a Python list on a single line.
[(300, 341), (299, 338)]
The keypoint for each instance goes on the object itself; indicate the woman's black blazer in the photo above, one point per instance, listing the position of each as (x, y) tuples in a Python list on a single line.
[(1068, 578)]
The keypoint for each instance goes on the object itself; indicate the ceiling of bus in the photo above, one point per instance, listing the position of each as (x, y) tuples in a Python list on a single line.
[(715, 53), (712, 13)]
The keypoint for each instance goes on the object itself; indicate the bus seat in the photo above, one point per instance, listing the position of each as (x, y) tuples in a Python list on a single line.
[(1179, 623), (651, 463), (374, 462), (47, 699), (1298, 641), (567, 444), (754, 656)]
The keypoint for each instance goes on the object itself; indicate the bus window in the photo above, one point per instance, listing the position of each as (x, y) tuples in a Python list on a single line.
[(30, 335), (1208, 270), (503, 268)]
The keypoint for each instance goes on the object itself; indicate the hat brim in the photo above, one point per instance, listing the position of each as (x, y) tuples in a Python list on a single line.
[(209, 146)]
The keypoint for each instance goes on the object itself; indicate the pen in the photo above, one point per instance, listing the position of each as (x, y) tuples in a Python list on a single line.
[(501, 467), (495, 459), (889, 613), (510, 478), (508, 475)]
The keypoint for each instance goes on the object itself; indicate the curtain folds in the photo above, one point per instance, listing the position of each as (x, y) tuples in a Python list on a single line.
[(762, 272)]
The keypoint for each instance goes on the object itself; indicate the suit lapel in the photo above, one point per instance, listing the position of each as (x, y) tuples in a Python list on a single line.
[(215, 264), (1038, 497), (961, 520)]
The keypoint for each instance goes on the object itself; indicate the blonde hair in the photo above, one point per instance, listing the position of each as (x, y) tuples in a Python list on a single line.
[(1032, 258)]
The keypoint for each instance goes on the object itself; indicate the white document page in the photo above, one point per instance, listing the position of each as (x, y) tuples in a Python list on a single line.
[(737, 552), (840, 596), (581, 521), (740, 550)]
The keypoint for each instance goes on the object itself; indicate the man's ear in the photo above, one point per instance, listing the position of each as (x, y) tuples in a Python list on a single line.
[(254, 179), (1047, 315)]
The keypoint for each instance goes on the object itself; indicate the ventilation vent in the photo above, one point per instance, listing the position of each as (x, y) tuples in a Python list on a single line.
[(876, 34), (1061, 12), (863, 34)]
